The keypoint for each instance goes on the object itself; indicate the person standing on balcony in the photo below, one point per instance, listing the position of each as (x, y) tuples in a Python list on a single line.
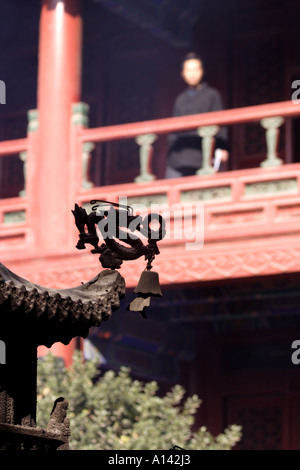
[(184, 156)]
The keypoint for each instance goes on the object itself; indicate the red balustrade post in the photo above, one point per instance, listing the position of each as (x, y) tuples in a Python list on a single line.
[(59, 85)]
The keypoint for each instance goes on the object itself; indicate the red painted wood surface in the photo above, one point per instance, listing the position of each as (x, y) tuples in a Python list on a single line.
[(245, 234), (60, 350), (8, 147), (166, 125), (59, 83)]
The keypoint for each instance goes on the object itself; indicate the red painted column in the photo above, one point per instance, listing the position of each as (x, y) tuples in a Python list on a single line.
[(59, 85), (60, 350)]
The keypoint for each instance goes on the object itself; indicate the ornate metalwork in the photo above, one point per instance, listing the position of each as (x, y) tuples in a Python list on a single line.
[(33, 315), (117, 223)]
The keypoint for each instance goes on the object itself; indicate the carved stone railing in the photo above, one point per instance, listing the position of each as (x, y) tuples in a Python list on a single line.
[(271, 117)]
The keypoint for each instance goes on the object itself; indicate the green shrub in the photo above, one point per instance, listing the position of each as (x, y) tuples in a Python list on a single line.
[(116, 412)]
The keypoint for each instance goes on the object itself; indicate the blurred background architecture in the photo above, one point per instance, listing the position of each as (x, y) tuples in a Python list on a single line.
[(90, 87)]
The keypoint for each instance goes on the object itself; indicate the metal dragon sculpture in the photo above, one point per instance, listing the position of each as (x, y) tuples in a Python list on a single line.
[(115, 223)]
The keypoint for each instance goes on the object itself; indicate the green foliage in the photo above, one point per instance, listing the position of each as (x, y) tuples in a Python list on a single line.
[(119, 413)]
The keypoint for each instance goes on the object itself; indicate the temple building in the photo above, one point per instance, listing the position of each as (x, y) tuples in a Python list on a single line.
[(86, 100)]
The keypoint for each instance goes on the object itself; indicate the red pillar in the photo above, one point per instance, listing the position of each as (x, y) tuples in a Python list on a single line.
[(59, 85), (60, 350)]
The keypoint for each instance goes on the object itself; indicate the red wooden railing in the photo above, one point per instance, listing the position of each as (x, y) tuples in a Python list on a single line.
[(81, 135), (271, 117), (10, 147), (166, 125), (176, 124), (13, 210)]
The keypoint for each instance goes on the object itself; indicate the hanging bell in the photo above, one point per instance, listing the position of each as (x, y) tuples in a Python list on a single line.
[(148, 284), (138, 305)]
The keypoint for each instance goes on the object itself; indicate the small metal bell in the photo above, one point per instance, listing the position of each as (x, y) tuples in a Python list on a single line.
[(139, 305), (148, 284)]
